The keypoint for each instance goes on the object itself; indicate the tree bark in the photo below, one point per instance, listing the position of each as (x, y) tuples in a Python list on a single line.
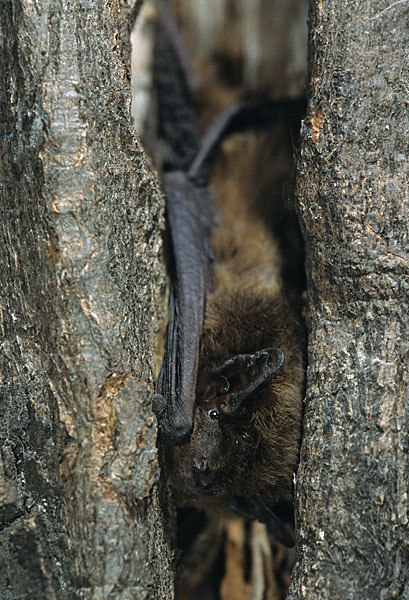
[(82, 298), (352, 484)]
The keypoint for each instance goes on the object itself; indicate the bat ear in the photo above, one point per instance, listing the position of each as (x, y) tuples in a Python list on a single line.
[(246, 372)]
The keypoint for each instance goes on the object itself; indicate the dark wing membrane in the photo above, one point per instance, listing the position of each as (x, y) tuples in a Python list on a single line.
[(177, 118), (190, 216)]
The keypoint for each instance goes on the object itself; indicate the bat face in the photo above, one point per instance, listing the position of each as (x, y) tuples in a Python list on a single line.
[(222, 431), (208, 459), (222, 450)]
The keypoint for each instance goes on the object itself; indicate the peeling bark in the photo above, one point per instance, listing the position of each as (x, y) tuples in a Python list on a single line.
[(82, 298), (353, 201)]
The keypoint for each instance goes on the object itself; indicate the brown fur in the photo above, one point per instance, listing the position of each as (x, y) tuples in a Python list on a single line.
[(254, 454)]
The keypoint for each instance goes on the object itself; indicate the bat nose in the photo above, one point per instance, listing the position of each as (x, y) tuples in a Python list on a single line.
[(205, 479), (201, 464)]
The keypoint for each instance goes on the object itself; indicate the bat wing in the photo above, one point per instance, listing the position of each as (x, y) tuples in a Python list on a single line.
[(190, 216), (190, 212)]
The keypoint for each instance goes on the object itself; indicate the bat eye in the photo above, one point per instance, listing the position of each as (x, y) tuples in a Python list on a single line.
[(213, 414)]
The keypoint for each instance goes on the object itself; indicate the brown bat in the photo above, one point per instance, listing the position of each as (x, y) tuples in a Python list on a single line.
[(229, 395), (243, 449)]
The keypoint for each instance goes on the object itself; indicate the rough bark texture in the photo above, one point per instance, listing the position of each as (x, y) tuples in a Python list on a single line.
[(82, 292), (353, 201)]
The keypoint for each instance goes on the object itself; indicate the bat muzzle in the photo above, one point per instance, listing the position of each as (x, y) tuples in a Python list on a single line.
[(208, 482)]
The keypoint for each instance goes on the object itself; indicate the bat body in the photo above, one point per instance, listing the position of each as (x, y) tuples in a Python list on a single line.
[(243, 447), (229, 394)]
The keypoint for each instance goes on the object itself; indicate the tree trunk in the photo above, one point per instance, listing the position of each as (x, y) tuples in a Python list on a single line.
[(82, 297), (353, 201)]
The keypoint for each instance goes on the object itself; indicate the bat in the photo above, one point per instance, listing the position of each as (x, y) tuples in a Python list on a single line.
[(229, 394)]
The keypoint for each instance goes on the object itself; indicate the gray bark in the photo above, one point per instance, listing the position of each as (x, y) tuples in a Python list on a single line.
[(352, 485), (82, 298)]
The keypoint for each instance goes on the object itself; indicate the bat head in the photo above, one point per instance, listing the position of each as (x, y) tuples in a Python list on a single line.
[(222, 433)]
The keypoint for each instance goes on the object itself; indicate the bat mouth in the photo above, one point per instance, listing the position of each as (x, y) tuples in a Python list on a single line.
[(207, 485)]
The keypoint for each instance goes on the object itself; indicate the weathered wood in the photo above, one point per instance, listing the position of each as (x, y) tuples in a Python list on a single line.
[(82, 297), (353, 201)]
